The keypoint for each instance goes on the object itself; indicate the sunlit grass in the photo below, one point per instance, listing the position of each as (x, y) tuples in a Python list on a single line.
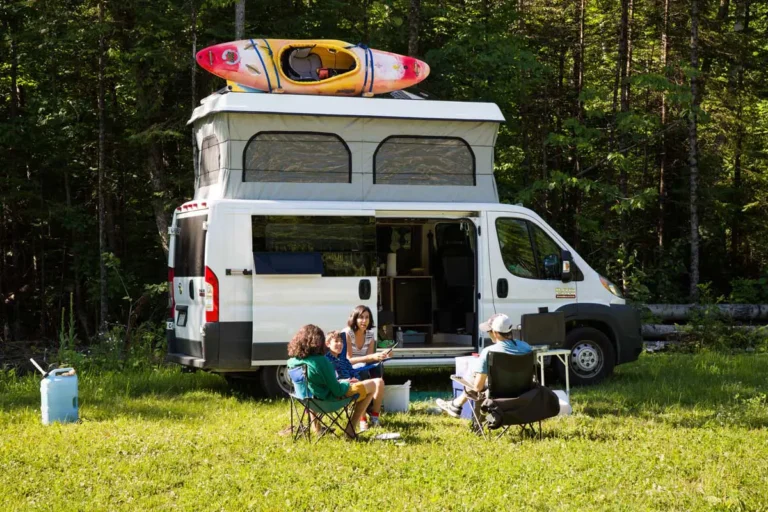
[(668, 432)]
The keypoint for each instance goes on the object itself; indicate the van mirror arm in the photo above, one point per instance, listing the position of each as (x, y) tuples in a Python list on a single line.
[(566, 258)]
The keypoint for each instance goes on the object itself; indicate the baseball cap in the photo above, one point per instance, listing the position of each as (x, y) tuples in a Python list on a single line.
[(498, 322)]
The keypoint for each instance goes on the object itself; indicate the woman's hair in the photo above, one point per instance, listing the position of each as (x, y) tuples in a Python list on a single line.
[(310, 340), (359, 310)]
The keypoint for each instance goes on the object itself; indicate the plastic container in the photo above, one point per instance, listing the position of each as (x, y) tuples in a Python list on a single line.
[(414, 337), (466, 366), (565, 403), (466, 409), (397, 397), (58, 395)]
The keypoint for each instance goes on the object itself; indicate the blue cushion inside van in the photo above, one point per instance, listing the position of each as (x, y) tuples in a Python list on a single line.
[(267, 263)]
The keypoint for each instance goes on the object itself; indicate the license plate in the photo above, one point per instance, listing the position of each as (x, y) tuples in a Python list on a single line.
[(169, 326)]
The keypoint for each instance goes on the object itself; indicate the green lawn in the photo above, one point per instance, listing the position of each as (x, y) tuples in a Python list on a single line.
[(670, 432)]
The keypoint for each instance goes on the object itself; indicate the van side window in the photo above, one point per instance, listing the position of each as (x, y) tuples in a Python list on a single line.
[(330, 246), (421, 160), (516, 248), (297, 157), (548, 255), (210, 161), (189, 248)]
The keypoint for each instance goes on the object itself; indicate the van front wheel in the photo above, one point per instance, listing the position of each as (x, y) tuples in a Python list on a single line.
[(592, 356), (275, 381)]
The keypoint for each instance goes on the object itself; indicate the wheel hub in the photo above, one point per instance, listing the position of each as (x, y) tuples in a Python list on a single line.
[(284, 380), (586, 359)]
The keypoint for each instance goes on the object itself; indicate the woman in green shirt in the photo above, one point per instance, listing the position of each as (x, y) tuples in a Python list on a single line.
[(308, 348)]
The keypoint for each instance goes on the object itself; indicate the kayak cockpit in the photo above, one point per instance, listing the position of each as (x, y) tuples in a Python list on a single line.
[(316, 63)]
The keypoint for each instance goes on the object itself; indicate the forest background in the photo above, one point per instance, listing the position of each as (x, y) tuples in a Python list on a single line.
[(636, 128)]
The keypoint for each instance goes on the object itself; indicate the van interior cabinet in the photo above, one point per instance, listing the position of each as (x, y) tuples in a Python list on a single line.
[(409, 298)]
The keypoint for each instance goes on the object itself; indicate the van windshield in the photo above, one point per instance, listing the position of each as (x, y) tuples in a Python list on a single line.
[(189, 251)]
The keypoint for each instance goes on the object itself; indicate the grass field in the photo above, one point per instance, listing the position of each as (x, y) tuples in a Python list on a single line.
[(670, 432)]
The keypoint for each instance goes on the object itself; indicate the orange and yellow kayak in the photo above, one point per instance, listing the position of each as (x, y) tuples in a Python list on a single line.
[(325, 67)]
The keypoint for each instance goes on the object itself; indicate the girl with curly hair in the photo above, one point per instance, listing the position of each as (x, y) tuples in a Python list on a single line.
[(308, 348)]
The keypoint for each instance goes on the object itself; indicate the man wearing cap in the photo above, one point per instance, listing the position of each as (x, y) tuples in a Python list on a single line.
[(499, 328)]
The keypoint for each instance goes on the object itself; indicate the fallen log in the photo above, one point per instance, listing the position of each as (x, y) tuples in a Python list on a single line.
[(656, 331), (677, 312)]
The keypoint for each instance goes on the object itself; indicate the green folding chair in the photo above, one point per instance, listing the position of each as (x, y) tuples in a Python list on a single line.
[(305, 409)]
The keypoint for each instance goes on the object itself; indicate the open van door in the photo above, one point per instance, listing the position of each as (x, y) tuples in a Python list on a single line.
[(527, 270), (309, 268), (187, 282)]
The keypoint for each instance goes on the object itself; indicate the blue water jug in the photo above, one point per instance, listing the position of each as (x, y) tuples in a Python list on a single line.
[(58, 394)]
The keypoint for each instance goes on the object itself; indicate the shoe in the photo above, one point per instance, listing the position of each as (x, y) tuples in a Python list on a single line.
[(363, 426), (448, 407), (375, 422)]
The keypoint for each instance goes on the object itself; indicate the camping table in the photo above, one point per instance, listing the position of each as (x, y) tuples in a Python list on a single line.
[(562, 354)]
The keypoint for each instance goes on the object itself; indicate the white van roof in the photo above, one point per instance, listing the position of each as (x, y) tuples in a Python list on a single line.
[(340, 106), (328, 148)]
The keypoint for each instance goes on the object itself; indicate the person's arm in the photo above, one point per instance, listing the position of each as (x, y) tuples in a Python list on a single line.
[(370, 357), (480, 379)]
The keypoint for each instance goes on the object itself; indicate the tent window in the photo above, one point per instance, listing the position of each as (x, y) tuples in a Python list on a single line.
[(297, 157), (209, 161), (413, 160)]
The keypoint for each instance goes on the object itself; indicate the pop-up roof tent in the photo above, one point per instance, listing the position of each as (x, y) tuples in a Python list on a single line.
[(270, 146)]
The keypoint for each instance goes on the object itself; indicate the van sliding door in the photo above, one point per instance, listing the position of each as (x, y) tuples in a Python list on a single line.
[(309, 269)]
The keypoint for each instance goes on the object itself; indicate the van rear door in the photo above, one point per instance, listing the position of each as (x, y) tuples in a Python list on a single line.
[(188, 284), (309, 269)]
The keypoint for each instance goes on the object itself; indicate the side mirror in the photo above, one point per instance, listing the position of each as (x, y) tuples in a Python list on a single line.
[(566, 257)]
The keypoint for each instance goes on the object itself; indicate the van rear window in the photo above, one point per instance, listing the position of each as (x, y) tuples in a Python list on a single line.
[(189, 249)]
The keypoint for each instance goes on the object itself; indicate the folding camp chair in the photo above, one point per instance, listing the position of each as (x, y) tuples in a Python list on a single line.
[(512, 397), (305, 408)]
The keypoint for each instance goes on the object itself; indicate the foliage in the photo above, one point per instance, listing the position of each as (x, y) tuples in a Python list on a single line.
[(709, 330), (570, 149), (670, 432)]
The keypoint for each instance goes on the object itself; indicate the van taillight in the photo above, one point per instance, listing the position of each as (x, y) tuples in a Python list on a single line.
[(171, 301), (211, 296)]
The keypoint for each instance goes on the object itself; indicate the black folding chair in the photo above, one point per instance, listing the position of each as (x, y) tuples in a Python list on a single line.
[(307, 409), (511, 398)]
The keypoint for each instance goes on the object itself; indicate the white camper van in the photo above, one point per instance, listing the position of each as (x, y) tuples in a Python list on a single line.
[(307, 206)]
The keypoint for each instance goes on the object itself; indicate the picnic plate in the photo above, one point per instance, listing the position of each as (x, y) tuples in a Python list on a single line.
[(388, 436)]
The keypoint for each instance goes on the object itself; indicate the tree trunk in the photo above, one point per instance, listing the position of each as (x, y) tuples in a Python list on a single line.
[(654, 331), (239, 19), (103, 309), (14, 106), (741, 26), (414, 23), (693, 151), (676, 312), (156, 170), (627, 91), (663, 163), (193, 88), (578, 59)]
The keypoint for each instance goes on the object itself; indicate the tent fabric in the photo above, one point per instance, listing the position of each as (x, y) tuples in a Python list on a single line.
[(252, 142)]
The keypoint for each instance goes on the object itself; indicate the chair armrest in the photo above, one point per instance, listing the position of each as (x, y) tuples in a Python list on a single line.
[(465, 383)]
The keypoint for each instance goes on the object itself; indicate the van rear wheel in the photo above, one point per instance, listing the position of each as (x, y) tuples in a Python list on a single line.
[(592, 356), (275, 381)]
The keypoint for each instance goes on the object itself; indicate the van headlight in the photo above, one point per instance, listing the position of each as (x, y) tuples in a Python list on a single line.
[(611, 287)]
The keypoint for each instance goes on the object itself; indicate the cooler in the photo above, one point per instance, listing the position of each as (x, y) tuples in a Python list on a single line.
[(466, 410)]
